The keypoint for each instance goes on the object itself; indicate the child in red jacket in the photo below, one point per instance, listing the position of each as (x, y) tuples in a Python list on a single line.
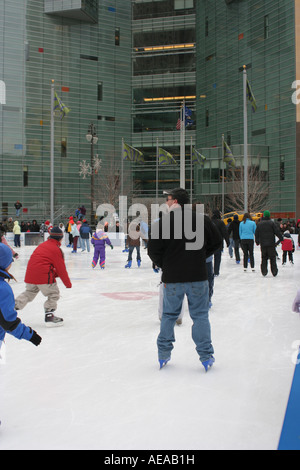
[(288, 247), (44, 266)]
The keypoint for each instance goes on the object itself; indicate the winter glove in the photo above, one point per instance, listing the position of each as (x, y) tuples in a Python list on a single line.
[(111, 247), (296, 303), (35, 338)]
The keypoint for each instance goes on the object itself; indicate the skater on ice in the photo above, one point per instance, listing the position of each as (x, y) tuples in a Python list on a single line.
[(288, 248), (265, 234), (134, 242), (247, 230), (9, 320), (183, 273), (100, 239), (44, 266), (216, 219)]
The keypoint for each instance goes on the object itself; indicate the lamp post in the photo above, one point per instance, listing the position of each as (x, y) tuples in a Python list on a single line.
[(91, 137)]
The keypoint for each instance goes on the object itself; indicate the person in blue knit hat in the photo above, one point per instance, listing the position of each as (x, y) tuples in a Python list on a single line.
[(9, 321)]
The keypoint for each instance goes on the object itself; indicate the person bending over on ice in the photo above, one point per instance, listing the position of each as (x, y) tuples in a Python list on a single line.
[(9, 321), (44, 266)]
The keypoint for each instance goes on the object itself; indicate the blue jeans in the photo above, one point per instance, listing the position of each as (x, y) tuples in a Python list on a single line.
[(197, 296), (138, 252), (85, 244)]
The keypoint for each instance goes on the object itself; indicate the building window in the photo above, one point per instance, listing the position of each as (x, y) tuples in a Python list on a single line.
[(4, 208), (25, 176), (63, 147), (183, 4), (282, 169), (266, 26), (207, 118), (206, 26), (100, 90), (117, 36)]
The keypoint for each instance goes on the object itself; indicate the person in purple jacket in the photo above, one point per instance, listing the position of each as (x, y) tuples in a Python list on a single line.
[(9, 320), (99, 240)]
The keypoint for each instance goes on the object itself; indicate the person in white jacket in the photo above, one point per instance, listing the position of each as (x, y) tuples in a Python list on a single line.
[(75, 234), (17, 233)]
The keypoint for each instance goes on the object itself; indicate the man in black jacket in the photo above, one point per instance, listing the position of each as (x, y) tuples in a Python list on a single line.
[(175, 246), (234, 229), (216, 219), (265, 233)]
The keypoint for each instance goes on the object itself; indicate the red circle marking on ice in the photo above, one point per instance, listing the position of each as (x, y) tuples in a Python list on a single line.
[(130, 295)]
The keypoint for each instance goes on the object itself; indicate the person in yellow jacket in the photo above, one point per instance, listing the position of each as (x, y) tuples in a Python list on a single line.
[(17, 233)]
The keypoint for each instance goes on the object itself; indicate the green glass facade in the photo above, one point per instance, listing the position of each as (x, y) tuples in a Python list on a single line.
[(260, 35), (90, 64), (164, 74), (126, 67)]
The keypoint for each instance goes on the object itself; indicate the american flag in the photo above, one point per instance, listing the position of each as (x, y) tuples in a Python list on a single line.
[(178, 125)]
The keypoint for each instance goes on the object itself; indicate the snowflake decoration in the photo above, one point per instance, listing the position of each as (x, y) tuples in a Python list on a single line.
[(85, 169), (96, 164)]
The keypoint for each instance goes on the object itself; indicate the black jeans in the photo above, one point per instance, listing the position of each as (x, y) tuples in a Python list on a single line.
[(237, 249), (247, 247), (268, 252), (217, 262)]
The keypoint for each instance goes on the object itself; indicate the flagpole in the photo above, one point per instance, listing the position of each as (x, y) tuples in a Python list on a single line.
[(52, 156), (245, 140), (191, 184), (223, 181), (182, 146), (156, 193), (122, 168)]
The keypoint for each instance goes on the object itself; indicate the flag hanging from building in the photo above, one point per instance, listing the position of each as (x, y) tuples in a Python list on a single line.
[(197, 157), (251, 97), (187, 119), (165, 158), (228, 157), (59, 105), (132, 154)]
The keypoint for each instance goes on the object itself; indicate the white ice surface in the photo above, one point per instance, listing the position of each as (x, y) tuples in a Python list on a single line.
[(95, 382)]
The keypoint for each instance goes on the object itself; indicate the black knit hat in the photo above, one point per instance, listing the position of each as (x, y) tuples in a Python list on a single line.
[(56, 233)]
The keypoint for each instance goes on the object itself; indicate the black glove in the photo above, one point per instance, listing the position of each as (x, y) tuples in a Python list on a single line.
[(111, 247), (35, 338)]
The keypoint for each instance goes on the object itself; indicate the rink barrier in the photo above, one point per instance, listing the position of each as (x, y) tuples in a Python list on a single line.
[(35, 238)]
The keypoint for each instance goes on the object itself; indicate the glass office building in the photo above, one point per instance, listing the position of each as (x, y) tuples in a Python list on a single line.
[(126, 67), (260, 35), (85, 47)]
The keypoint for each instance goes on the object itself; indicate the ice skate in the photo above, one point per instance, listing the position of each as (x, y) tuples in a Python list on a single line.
[(51, 320), (208, 363), (139, 263), (163, 362), (128, 265)]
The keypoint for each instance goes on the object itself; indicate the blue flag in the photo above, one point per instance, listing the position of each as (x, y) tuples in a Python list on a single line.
[(188, 121)]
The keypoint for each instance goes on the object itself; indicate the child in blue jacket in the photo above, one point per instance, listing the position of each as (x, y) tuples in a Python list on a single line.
[(9, 321)]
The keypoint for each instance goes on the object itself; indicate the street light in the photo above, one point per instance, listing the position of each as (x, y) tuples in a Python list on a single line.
[(92, 138)]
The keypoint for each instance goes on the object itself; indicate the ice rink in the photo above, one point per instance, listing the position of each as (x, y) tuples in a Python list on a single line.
[(95, 383)]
